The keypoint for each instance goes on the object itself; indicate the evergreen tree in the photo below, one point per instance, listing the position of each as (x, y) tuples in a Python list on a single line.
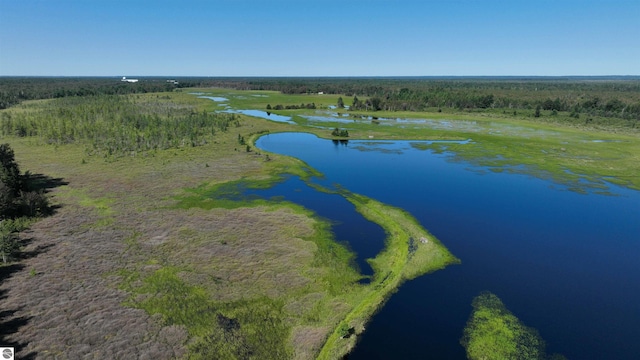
[(356, 103), (9, 170)]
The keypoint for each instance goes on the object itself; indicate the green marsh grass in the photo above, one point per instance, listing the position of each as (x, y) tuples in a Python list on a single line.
[(225, 330), (493, 332)]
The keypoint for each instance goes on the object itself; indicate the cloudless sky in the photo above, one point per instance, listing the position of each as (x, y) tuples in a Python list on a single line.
[(319, 37)]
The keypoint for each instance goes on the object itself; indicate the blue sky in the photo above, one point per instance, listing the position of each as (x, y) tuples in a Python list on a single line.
[(319, 38)]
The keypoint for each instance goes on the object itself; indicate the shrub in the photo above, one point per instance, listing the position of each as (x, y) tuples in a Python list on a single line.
[(33, 203)]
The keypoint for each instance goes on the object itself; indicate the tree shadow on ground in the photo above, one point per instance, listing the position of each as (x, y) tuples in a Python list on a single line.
[(38, 182), (7, 270), (44, 183), (10, 324), (28, 254), (10, 319)]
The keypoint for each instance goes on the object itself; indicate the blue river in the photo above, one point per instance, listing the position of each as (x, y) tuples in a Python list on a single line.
[(564, 262)]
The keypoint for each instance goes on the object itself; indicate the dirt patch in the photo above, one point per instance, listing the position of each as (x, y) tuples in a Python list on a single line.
[(308, 340)]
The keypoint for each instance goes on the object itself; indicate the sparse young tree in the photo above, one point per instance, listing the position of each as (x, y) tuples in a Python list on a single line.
[(33, 203), (9, 244)]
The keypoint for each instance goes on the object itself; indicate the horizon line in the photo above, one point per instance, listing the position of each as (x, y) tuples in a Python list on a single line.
[(325, 76)]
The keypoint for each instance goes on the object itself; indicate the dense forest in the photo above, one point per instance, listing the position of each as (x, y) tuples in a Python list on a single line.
[(609, 97)]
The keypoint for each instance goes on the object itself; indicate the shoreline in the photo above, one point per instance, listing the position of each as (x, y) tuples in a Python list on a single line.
[(392, 267)]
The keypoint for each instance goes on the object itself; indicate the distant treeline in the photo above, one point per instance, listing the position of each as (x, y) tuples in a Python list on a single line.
[(14, 90), (114, 125), (614, 97), (291, 107)]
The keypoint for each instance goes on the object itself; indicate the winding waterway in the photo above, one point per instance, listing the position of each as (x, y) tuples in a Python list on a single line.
[(565, 263)]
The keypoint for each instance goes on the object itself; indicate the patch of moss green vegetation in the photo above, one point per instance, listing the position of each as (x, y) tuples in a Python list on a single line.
[(493, 332), (579, 160), (334, 256), (228, 195), (101, 205), (246, 329)]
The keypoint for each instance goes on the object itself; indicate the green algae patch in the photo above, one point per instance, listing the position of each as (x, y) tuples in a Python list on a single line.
[(493, 332)]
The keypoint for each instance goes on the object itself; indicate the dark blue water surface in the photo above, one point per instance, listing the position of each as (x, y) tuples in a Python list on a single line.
[(349, 227), (565, 263)]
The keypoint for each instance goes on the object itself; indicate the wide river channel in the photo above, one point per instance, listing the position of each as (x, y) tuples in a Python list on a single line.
[(565, 263)]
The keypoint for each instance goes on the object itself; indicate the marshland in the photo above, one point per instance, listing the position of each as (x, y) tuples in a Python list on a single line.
[(314, 217)]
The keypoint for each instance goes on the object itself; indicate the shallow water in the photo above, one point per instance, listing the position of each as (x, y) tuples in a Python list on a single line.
[(214, 98), (262, 114), (566, 263)]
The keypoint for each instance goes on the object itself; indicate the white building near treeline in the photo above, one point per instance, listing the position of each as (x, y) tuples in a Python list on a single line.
[(124, 78)]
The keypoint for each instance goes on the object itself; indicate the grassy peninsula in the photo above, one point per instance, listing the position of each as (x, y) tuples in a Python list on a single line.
[(410, 252)]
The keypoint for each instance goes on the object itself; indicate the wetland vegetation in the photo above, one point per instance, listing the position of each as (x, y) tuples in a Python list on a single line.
[(493, 332), (143, 230)]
